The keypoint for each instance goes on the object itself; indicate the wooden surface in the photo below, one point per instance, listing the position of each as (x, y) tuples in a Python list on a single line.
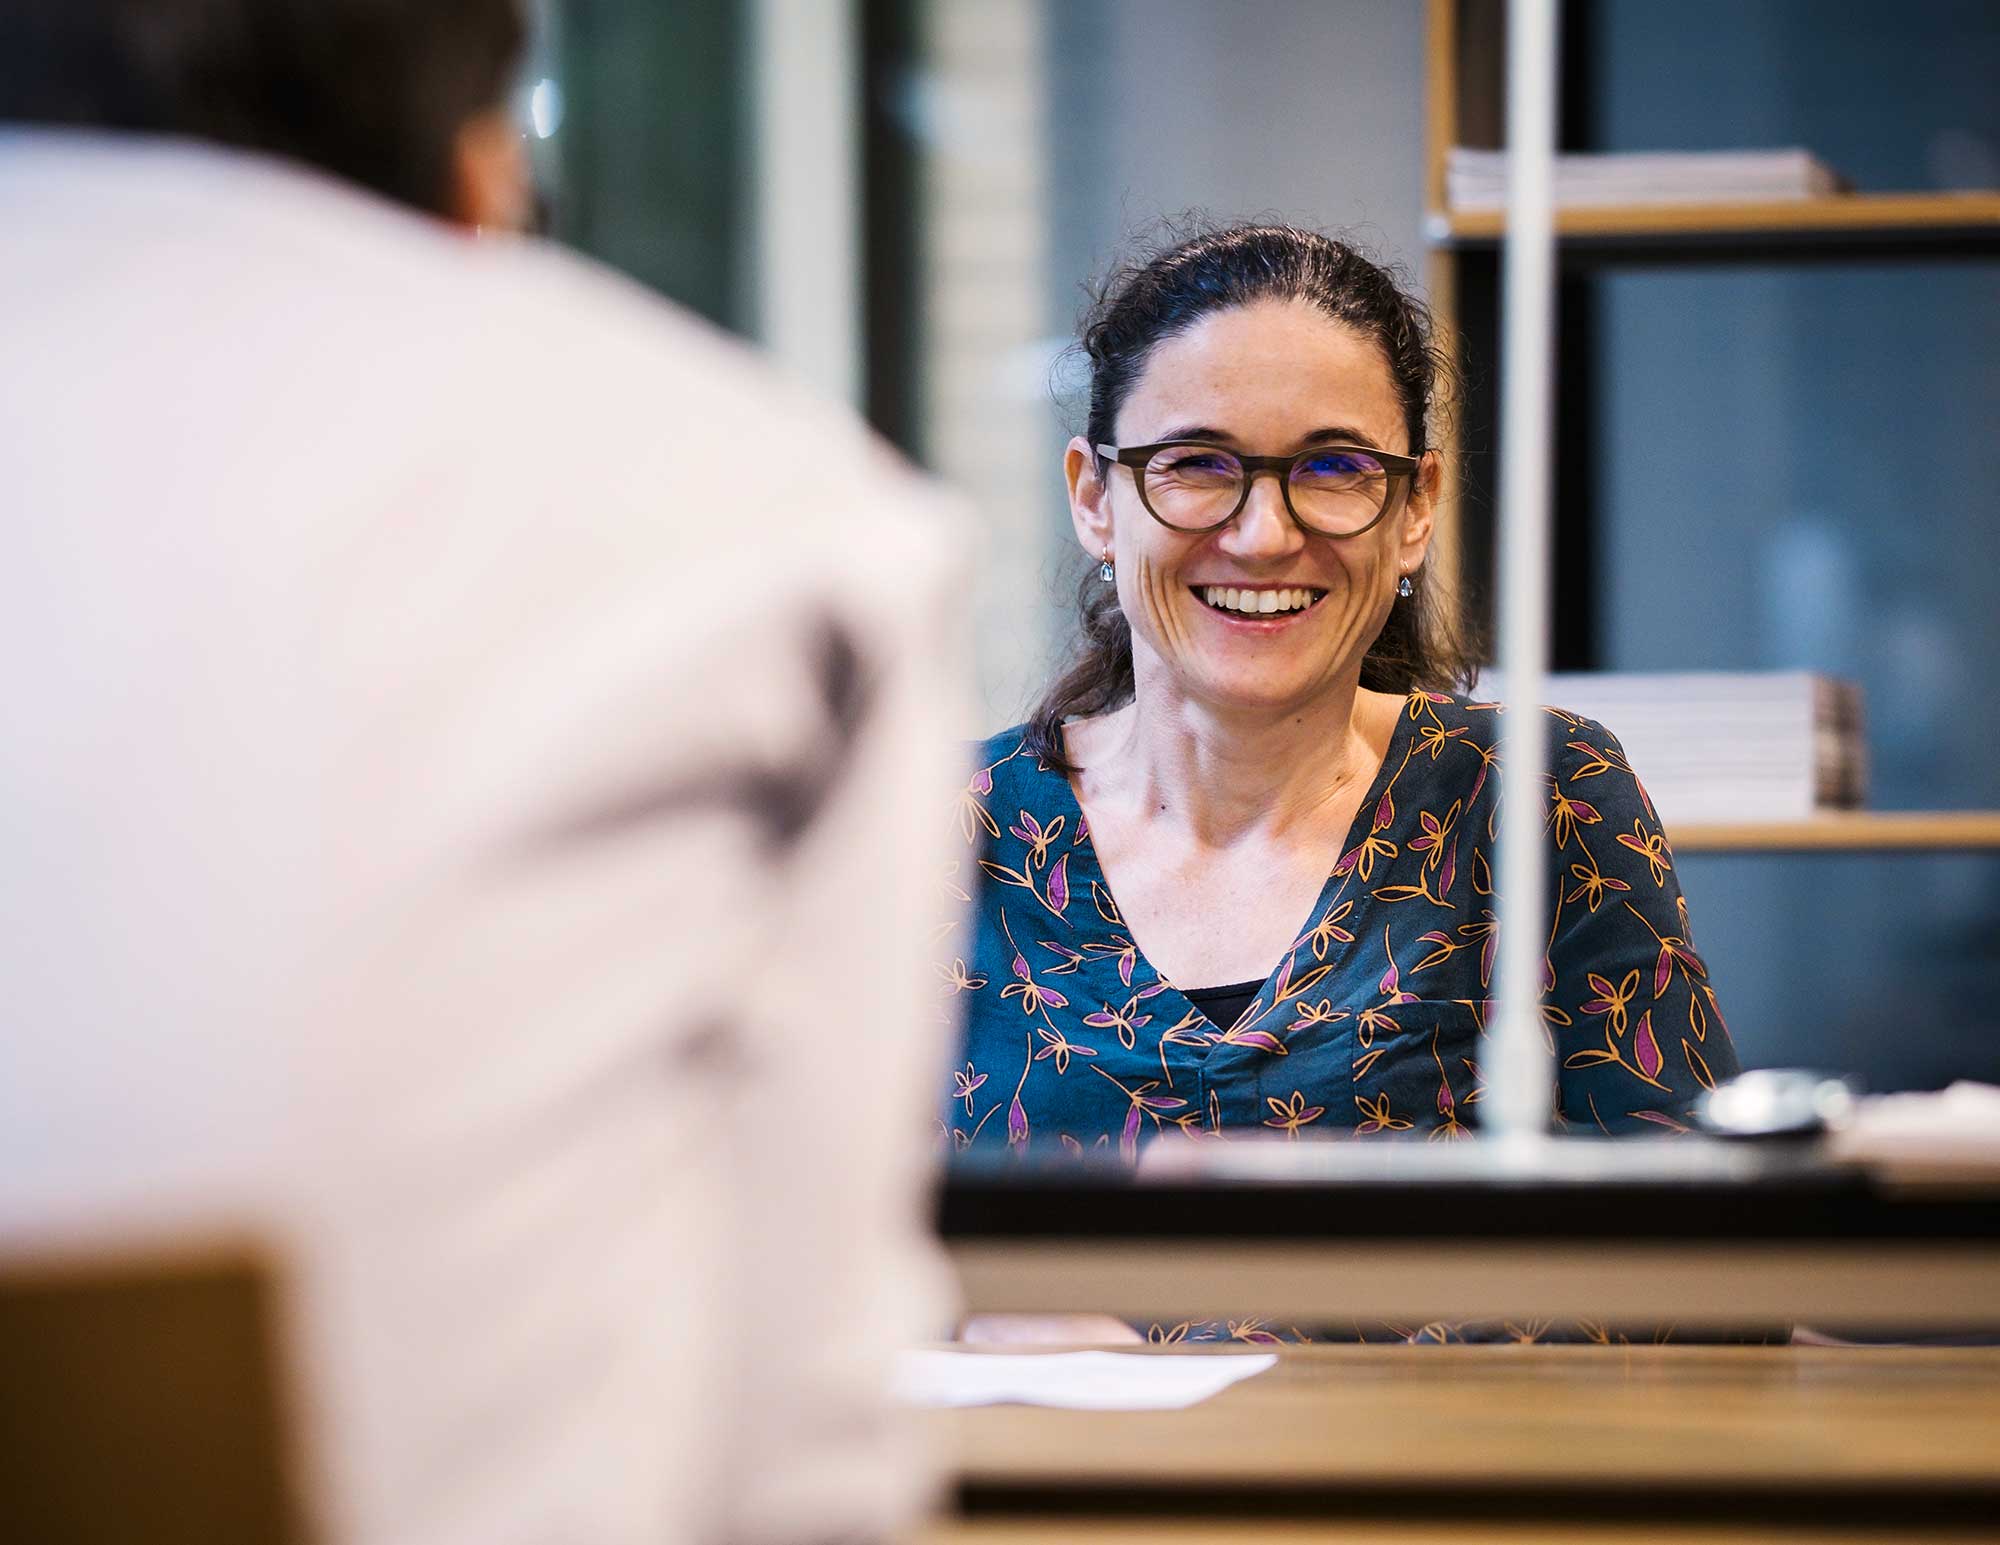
[(1440, 95), (1845, 831), (1077, 1530), (1816, 1421), (141, 1399), (1841, 214)]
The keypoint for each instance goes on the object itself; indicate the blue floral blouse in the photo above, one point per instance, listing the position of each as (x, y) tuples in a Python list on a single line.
[(1372, 1021)]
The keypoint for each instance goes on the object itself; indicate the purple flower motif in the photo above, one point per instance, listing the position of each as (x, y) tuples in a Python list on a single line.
[(965, 1085), (1069, 959), (1646, 1050), (1126, 1021), (1061, 1049)]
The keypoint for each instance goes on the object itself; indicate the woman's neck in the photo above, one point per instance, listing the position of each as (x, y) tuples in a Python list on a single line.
[(1221, 775)]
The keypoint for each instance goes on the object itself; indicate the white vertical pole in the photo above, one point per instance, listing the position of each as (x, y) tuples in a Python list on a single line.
[(1520, 1077), (807, 204), (984, 177)]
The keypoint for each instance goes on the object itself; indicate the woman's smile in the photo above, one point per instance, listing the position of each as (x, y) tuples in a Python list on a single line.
[(1258, 608)]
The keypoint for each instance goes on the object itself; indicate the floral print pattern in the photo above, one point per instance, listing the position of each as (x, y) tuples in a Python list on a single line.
[(1372, 1022)]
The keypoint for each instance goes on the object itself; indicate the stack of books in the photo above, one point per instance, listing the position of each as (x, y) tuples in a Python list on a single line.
[(1720, 746), (1477, 179)]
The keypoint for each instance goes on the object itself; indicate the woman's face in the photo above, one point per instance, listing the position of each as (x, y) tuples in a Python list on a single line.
[(1265, 379)]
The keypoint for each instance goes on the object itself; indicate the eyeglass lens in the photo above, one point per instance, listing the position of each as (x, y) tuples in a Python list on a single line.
[(1334, 491)]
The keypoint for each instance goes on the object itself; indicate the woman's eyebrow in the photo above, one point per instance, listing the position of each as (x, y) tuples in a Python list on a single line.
[(1338, 434), (1341, 434), (1198, 432)]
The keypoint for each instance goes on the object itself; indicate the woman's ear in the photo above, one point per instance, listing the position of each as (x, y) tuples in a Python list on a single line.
[(1089, 497), (490, 188), (1420, 512)]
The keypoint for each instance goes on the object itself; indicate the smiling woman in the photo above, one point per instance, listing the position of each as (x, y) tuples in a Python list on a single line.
[(1235, 875)]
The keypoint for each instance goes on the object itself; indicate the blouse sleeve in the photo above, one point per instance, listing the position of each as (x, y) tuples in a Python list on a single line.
[(1637, 1032)]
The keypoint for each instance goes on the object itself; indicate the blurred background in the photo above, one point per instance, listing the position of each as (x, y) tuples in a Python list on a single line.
[(1766, 465)]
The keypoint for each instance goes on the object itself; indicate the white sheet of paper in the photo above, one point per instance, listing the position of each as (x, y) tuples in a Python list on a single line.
[(1075, 1381), (1942, 1137)]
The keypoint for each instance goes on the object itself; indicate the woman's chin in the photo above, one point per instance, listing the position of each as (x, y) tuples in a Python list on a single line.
[(1257, 688)]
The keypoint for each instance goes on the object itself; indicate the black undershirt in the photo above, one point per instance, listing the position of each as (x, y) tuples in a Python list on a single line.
[(1222, 1006)]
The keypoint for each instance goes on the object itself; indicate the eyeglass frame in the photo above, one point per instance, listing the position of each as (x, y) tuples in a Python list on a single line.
[(1137, 456)]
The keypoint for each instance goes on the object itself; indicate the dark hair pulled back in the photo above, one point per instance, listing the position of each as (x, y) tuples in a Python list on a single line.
[(1217, 269), (372, 90)]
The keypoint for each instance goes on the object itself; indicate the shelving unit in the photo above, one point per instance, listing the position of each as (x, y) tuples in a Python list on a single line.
[(1882, 831), (1465, 79), (1913, 221)]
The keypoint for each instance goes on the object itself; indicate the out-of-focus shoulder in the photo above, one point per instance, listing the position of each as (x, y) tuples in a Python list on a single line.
[(624, 385), (616, 342)]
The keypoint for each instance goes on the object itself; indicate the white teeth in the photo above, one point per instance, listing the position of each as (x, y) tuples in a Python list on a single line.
[(1257, 602)]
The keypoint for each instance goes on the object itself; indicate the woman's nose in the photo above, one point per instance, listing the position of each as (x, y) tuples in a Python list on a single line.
[(1263, 527)]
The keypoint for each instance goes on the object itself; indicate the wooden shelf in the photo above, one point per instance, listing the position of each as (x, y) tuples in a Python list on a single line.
[(1845, 832), (1914, 219), (1465, 99)]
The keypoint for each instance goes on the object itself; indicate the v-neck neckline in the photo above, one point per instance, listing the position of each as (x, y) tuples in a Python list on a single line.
[(1358, 831)]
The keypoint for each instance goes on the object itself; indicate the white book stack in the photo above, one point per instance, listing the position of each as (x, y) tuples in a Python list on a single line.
[(1721, 746), (1477, 179)]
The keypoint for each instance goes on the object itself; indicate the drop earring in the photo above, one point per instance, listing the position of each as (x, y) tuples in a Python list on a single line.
[(1404, 587), (1104, 570)]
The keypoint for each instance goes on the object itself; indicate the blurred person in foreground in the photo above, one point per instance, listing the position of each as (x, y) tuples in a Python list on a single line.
[(453, 700)]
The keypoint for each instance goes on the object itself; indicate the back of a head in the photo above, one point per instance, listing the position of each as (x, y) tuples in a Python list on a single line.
[(374, 91)]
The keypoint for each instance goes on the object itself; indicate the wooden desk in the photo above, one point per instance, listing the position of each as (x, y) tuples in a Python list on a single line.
[(1680, 1233), (142, 1397), (1421, 1443)]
